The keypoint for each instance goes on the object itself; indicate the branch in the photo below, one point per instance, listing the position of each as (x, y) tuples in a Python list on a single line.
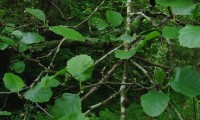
[(143, 70), (102, 103), (95, 10), (108, 74), (142, 59)]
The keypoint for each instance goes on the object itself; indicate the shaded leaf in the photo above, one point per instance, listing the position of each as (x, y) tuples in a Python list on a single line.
[(170, 32), (154, 103), (37, 13), (13, 82), (186, 81), (19, 66), (66, 105), (114, 18)]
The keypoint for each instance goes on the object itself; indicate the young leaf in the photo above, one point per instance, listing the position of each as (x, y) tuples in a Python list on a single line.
[(190, 36), (81, 67), (67, 33), (186, 81), (154, 103), (30, 38), (19, 66), (66, 105), (37, 13), (114, 18), (13, 82), (170, 32), (159, 76)]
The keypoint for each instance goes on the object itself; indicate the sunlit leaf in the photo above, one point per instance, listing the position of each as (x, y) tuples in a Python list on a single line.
[(190, 36), (30, 38), (67, 33), (5, 113), (175, 3), (81, 67)]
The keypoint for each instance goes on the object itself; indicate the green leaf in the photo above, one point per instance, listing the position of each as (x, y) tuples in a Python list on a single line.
[(102, 26), (190, 36), (114, 18), (38, 94), (19, 66), (152, 35), (13, 82), (175, 3), (128, 38), (17, 33), (170, 32), (30, 38), (123, 54), (49, 81), (154, 103), (3, 45), (67, 33), (66, 105), (22, 47), (74, 116), (159, 76), (186, 10), (42, 91), (196, 12), (6, 113), (186, 81), (81, 67), (61, 72), (37, 13), (9, 41)]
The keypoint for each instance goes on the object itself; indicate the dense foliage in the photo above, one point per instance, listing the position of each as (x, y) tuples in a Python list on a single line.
[(99, 60)]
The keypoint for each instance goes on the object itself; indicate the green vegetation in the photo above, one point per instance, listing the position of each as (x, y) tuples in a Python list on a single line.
[(99, 60)]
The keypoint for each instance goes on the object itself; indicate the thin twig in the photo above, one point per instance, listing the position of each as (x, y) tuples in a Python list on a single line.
[(176, 111), (44, 110), (102, 103), (95, 10), (108, 74), (142, 59), (143, 70), (106, 55)]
